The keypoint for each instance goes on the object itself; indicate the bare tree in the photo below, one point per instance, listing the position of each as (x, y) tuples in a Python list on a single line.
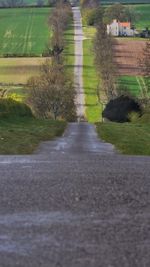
[(104, 61), (89, 3), (51, 93), (120, 12), (58, 21), (144, 63)]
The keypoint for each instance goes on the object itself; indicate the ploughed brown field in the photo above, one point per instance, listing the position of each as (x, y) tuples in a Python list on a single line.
[(127, 55)]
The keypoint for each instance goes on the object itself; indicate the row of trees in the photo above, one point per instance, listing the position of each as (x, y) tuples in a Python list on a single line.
[(145, 67), (93, 12), (58, 22), (20, 3), (119, 103), (105, 65), (120, 12), (52, 93), (12, 3), (107, 68)]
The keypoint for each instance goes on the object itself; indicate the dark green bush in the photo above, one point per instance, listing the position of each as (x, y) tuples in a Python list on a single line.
[(12, 108), (118, 109)]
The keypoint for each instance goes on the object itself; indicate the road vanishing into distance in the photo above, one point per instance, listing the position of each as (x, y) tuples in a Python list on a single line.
[(76, 202), (78, 67)]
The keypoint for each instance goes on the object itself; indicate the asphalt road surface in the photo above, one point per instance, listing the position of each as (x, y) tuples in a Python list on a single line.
[(75, 203), (78, 67)]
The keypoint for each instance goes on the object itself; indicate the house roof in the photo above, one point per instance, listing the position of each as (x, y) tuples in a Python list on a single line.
[(125, 24)]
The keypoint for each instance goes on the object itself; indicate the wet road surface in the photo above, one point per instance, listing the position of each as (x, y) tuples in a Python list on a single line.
[(75, 203)]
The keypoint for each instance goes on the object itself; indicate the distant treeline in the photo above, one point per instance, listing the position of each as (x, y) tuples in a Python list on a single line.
[(106, 2), (26, 3)]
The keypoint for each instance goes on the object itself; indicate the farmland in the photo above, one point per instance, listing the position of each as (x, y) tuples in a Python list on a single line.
[(23, 31), (18, 70), (133, 84), (127, 54), (143, 16)]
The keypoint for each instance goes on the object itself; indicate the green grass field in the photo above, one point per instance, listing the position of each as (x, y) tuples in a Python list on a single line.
[(133, 84), (128, 138), (24, 31), (143, 16), (23, 135)]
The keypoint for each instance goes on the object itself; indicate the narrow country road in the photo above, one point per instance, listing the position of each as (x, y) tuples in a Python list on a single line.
[(75, 203), (78, 68)]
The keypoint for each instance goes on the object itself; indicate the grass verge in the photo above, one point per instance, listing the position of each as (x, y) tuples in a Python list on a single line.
[(90, 78), (129, 138), (23, 135), (69, 48)]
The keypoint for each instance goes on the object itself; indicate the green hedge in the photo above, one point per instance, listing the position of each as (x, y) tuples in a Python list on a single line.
[(10, 107)]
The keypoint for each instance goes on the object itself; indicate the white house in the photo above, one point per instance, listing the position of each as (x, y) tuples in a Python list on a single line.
[(117, 28)]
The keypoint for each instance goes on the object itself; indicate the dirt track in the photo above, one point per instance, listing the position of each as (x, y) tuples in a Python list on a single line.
[(127, 55)]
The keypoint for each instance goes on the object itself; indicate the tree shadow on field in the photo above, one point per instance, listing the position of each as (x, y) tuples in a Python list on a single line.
[(69, 54), (87, 67), (69, 33), (91, 105), (89, 91)]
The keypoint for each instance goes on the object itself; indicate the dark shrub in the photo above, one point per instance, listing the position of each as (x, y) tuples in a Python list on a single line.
[(118, 109), (10, 107)]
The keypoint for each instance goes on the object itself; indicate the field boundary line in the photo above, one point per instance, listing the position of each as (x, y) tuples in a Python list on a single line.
[(144, 86), (30, 31), (140, 86)]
